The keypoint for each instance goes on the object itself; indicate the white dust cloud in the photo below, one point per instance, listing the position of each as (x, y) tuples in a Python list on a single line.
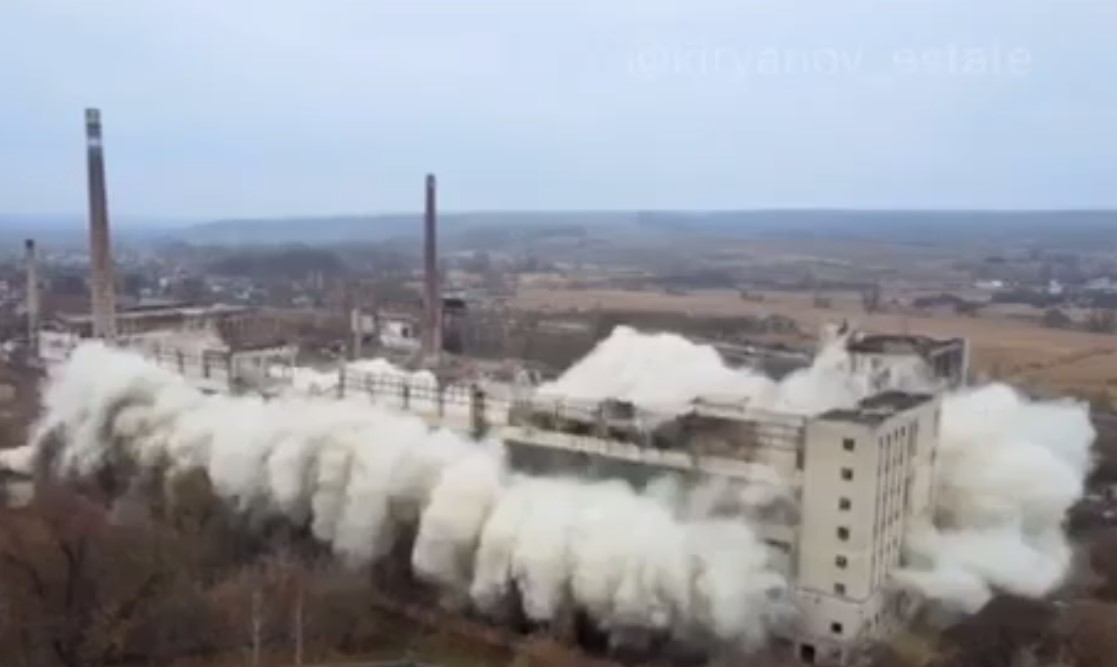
[(1008, 468), (666, 373), (356, 474)]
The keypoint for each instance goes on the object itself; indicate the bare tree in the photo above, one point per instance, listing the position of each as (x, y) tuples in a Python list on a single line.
[(1101, 320), (82, 586), (1103, 558)]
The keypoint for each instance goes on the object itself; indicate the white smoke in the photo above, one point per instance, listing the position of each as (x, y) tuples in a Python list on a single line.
[(1008, 470), (667, 373), (357, 474), (302, 381)]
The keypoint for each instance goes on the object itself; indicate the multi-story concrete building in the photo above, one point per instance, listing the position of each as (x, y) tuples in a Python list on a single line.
[(857, 479), (850, 482), (868, 475)]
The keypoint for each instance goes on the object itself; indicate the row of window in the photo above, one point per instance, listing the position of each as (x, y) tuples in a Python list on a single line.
[(906, 433), (844, 504), (893, 470), (887, 509)]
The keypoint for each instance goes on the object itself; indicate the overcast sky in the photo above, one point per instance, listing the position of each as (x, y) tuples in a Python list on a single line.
[(228, 108)]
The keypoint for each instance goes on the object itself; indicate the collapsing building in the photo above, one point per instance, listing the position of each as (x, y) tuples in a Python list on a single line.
[(846, 485), (218, 347), (831, 492), (888, 358)]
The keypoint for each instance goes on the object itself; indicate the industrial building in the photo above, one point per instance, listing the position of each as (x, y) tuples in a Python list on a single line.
[(848, 483)]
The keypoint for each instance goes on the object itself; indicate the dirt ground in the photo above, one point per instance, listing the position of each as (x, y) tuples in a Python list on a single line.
[(1070, 362)]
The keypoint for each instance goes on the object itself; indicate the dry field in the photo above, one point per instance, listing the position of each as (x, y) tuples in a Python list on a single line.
[(1073, 362)]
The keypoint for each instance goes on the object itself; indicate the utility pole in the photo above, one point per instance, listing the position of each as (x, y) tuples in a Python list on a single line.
[(299, 624), (257, 623)]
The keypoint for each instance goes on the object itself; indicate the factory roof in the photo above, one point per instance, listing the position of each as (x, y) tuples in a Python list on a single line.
[(898, 343), (878, 408), (156, 311)]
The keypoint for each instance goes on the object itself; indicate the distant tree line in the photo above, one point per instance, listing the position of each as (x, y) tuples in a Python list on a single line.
[(293, 263)]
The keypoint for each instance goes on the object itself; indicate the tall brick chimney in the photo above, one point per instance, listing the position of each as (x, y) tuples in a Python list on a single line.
[(432, 293), (100, 249), (33, 304)]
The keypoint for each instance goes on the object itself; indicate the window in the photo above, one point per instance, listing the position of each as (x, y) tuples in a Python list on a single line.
[(847, 474), (844, 504), (843, 533), (841, 561), (839, 589), (847, 444), (799, 459), (836, 628), (807, 653)]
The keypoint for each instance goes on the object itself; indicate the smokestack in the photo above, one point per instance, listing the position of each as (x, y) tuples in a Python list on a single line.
[(432, 293), (32, 298), (100, 250)]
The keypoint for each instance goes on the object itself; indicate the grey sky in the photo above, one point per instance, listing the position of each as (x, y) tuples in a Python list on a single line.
[(281, 107)]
